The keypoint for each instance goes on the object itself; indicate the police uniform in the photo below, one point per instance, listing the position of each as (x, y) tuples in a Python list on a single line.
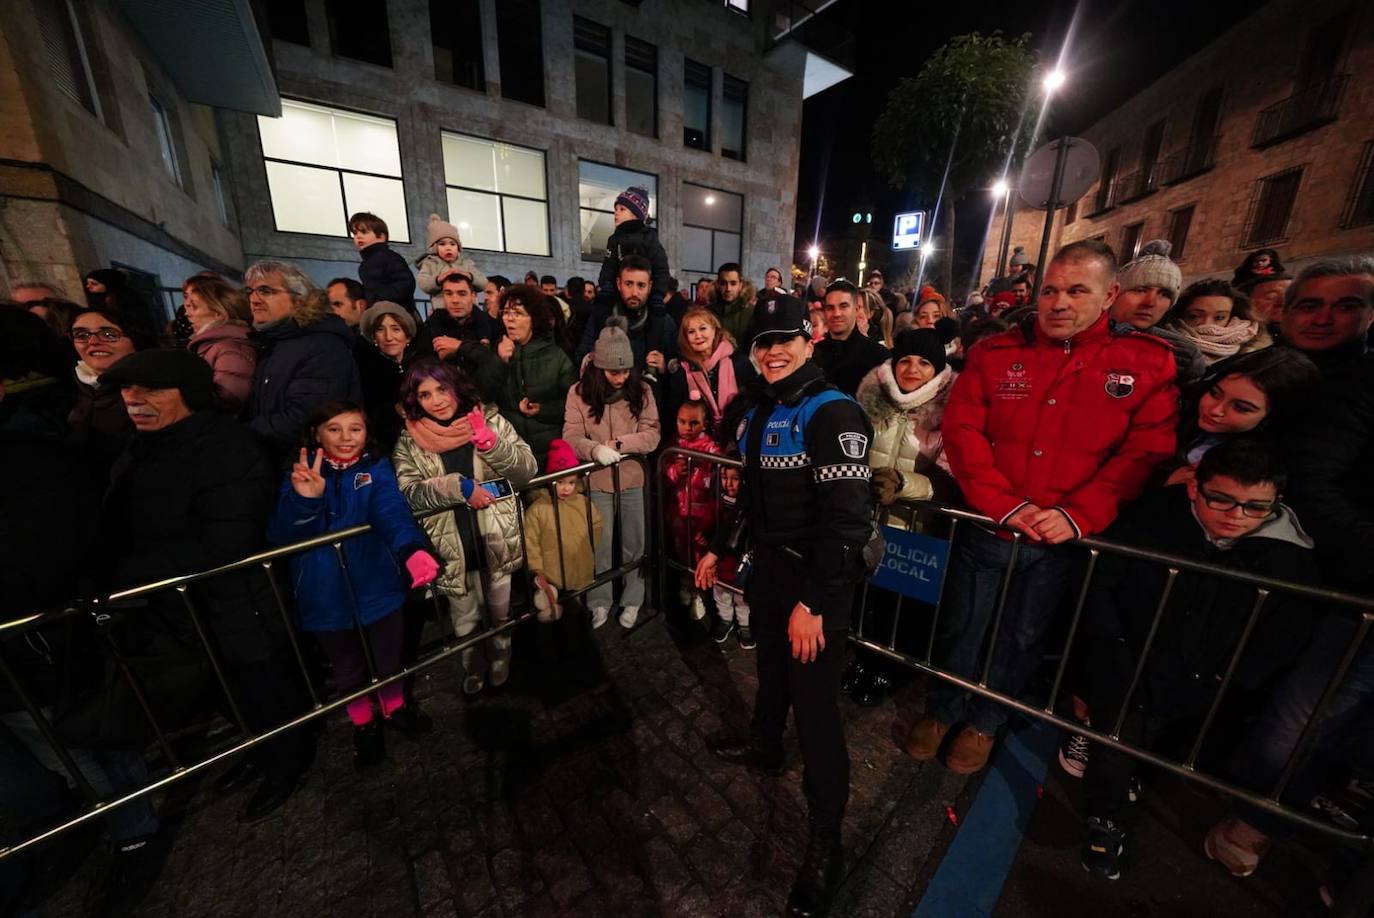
[(805, 494)]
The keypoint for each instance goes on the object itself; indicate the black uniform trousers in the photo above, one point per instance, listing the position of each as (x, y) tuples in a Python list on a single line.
[(811, 690)]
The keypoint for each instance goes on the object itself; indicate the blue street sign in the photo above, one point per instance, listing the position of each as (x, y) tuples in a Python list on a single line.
[(906, 230), (913, 564)]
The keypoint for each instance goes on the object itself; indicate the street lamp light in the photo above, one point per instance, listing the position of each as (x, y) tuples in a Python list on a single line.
[(815, 253), (1000, 189), (1053, 80)]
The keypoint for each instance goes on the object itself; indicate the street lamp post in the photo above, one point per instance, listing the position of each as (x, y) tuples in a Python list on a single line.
[(1003, 189), (1054, 80)]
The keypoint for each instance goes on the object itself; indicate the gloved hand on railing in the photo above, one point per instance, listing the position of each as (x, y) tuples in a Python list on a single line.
[(422, 567), (886, 484), (605, 455), (483, 437)]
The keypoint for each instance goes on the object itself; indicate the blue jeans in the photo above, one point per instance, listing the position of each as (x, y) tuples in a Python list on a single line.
[(1260, 759), (111, 773), (1042, 576)]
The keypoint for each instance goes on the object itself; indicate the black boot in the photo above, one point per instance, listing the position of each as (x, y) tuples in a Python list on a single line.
[(739, 750), (871, 689), (819, 876), (853, 675), (369, 744), (410, 721)]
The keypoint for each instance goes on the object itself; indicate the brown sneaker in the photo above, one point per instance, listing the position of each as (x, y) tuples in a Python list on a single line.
[(925, 738), (969, 752), (1237, 846)]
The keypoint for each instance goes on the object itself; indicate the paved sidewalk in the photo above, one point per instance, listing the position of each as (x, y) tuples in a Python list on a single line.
[(583, 788)]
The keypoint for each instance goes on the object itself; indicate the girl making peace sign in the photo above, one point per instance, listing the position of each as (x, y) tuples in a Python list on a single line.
[(337, 482)]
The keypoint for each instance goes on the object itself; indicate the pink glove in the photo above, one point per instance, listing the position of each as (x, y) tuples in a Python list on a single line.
[(422, 567), (483, 437)]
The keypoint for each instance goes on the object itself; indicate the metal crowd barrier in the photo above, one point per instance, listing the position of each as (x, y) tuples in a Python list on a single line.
[(17, 629), (1357, 900)]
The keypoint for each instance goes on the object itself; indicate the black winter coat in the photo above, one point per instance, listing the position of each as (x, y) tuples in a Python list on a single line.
[(651, 329), (381, 381), (1330, 451), (847, 362), (187, 498), (633, 237), (386, 276), (1204, 616), (298, 369)]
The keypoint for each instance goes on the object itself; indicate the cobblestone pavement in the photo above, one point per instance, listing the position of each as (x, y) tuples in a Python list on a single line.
[(582, 788)]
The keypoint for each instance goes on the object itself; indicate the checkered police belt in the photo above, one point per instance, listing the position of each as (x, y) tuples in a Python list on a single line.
[(799, 461), (844, 470)]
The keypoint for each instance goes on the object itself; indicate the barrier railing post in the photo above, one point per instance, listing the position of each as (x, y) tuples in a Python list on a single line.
[(357, 613), (1226, 678), (1002, 592), (291, 633), (241, 721), (1144, 653), (940, 596), (1333, 686), (139, 696), (69, 763), (1073, 630)]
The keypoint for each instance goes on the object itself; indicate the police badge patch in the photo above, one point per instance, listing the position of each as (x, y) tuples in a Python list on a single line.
[(854, 445), (1120, 385)]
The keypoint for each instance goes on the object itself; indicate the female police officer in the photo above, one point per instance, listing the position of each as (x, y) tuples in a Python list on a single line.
[(806, 499)]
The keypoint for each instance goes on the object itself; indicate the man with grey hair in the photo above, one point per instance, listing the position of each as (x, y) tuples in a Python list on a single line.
[(1328, 309), (31, 291), (305, 353)]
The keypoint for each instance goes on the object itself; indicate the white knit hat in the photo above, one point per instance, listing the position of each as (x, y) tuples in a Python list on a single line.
[(1152, 268)]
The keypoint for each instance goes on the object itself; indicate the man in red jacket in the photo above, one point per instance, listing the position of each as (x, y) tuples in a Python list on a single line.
[(1050, 428)]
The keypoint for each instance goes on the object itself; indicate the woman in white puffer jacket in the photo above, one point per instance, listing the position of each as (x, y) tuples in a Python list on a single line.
[(905, 399)]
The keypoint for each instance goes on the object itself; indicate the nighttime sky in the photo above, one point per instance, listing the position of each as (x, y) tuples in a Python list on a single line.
[(1118, 49)]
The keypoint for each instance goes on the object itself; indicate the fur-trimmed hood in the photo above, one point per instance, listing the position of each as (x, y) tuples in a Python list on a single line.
[(882, 400)]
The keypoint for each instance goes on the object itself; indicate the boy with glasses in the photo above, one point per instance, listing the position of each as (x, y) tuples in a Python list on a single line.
[(1229, 516)]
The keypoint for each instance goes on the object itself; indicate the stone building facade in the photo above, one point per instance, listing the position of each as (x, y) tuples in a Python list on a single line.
[(452, 104), (167, 139), (1263, 139)]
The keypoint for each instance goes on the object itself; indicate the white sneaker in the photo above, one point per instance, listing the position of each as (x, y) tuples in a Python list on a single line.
[(599, 616), (628, 616), (698, 608)]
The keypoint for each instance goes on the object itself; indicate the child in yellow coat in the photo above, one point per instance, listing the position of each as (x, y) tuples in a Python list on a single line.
[(560, 550)]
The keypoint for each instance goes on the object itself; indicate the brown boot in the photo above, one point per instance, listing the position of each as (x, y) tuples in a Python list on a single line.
[(925, 738), (969, 752)]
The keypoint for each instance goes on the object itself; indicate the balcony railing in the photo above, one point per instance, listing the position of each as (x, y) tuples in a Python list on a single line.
[(1310, 107), (1135, 185), (1198, 157)]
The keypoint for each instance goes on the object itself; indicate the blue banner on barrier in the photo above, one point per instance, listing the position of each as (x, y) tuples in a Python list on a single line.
[(913, 564)]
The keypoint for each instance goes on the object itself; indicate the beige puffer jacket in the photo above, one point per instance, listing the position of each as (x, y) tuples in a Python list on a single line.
[(906, 428), (427, 486)]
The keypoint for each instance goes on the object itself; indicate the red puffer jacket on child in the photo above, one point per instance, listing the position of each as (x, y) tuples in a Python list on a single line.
[(692, 499)]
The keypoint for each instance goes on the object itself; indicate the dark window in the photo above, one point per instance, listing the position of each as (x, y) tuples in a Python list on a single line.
[(287, 22), (641, 87), (734, 109), (1104, 188), (1322, 56), (1359, 210), (1179, 223), (455, 31), (221, 195), (696, 105), (1071, 214), (65, 49), (592, 67), (1130, 241), (520, 44), (712, 227), (166, 140), (359, 31), (1202, 144), (1270, 207)]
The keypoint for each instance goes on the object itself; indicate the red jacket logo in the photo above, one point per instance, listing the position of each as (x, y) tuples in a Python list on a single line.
[(1120, 385)]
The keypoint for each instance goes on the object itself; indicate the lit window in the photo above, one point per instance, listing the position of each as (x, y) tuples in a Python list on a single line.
[(497, 195), (324, 164), (598, 185), (712, 227)]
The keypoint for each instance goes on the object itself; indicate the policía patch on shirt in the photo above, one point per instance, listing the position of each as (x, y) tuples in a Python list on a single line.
[(362, 480), (1120, 383), (854, 445)]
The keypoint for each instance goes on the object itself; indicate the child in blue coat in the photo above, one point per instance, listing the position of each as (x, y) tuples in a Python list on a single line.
[(345, 483)]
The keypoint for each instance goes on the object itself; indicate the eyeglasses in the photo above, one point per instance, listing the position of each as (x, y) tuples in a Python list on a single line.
[(104, 333), (262, 290), (515, 312), (1254, 509)]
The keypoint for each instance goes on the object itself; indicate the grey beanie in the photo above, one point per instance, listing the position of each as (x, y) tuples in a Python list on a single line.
[(1152, 268), (373, 314), (613, 350), (1019, 256)]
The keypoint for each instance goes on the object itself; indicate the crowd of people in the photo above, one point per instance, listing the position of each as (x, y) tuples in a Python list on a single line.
[(1230, 421)]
